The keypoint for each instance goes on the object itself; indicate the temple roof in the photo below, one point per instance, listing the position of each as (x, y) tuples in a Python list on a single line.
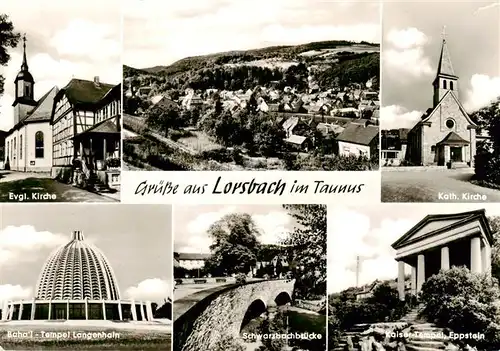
[(436, 223)]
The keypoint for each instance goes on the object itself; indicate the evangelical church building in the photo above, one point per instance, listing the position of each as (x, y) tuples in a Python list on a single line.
[(76, 125), (445, 134)]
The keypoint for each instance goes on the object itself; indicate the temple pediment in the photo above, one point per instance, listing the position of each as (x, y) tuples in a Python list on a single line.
[(435, 225)]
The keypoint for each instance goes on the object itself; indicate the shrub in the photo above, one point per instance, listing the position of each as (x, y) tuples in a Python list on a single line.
[(241, 278), (487, 167), (220, 155), (464, 302)]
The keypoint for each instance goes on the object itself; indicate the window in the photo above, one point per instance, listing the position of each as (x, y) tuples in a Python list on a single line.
[(451, 85), (15, 149), (444, 84), (20, 147), (433, 148), (450, 123), (39, 144)]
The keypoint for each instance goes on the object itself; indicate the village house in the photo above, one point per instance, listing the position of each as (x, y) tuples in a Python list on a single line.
[(359, 139)]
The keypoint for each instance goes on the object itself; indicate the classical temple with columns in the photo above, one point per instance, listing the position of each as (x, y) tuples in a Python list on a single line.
[(441, 241)]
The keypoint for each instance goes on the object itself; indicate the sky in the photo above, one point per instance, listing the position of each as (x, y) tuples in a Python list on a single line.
[(411, 44), (65, 39), (136, 239), (369, 231), (158, 32), (192, 222)]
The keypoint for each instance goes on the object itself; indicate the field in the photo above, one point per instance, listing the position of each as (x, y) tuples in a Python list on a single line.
[(328, 52), (268, 63), (199, 142)]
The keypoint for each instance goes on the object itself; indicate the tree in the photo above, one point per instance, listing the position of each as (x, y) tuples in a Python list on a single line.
[(308, 249), (157, 118), (495, 249), (464, 302), (8, 39), (235, 245)]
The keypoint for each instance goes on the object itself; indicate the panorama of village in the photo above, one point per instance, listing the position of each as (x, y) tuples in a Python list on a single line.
[(304, 107)]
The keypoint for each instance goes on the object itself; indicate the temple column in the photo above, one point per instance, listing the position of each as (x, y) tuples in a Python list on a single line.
[(486, 258), (86, 309), (4, 310), (33, 308), (401, 280), (120, 310), (11, 311), (20, 310), (420, 272), (104, 309), (475, 255), (134, 311), (142, 311), (414, 280), (67, 309), (50, 309), (149, 311), (445, 258)]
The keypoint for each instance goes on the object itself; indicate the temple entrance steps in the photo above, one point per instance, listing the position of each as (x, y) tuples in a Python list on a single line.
[(426, 337), (412, 317), (353, 335)]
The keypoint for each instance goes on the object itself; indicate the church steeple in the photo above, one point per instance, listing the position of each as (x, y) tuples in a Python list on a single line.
[(24, 89), (24, 66), (446, 79)]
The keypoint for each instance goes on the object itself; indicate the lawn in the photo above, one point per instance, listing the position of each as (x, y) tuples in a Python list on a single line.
[(199, 141)]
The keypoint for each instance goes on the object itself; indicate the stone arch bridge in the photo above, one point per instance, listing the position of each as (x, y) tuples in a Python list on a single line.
[(203, 319)]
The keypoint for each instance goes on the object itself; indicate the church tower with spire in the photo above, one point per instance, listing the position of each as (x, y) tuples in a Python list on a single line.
[(24, 83), (445, 80)]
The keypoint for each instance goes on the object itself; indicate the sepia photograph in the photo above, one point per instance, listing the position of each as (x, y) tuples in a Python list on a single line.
[(60, 101), (441, 102), (85, 277), (413, 277), (249, 278), (226, 85)]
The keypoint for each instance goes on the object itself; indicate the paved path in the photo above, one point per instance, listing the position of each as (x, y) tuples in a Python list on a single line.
[(434, 186), (23, 187)]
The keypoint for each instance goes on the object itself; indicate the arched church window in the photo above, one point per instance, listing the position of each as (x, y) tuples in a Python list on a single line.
[(451, 85), (39, 144), (450, 123), (444, 84)]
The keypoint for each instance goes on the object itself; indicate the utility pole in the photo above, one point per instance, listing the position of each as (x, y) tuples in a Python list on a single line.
[(358, 267)]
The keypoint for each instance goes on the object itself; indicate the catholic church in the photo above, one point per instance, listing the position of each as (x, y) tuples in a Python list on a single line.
[(76, 125), (445, 135)]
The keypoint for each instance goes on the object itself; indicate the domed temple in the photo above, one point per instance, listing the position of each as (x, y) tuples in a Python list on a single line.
[(78, 283)]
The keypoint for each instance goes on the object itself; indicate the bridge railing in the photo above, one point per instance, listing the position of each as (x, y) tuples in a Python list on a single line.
[(189, 308)]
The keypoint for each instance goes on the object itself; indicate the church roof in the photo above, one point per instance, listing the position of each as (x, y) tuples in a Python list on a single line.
[(43, 110), (434, 224), (427, 116), (453, 139), (86, 93), (445, 67)]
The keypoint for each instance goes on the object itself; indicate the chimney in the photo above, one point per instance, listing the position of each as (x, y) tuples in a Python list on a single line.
[(77, 235), (96, 81)]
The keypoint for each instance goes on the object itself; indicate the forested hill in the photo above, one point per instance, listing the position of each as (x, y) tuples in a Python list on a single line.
[(328, 63), (275, 52)]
